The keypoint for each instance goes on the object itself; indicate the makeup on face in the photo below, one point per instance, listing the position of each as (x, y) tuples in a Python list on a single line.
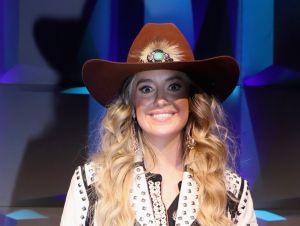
[(161, 101)]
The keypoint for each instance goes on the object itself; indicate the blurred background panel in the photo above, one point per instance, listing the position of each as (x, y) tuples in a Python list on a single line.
[(49, 123)]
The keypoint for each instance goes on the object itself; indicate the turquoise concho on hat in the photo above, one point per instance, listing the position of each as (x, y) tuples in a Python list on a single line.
[(159, 55)]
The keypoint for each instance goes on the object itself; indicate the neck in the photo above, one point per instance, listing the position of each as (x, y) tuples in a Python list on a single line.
[(168, 154)]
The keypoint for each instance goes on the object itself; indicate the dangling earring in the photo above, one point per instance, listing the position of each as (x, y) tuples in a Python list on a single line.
[(189, 142)]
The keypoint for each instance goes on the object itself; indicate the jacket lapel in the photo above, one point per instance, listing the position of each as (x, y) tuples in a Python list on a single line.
[(140, 198), (188, 204)]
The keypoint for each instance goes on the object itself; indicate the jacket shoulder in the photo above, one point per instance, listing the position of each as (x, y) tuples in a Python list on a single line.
[(81, 197), (87, 172), (235, 184), (239, 204)]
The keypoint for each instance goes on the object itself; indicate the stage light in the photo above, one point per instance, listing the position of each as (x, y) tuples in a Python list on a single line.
[(76, 90), (25, 214), (268, 216)]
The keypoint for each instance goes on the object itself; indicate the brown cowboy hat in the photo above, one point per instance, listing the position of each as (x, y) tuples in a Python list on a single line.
[(160, 46)]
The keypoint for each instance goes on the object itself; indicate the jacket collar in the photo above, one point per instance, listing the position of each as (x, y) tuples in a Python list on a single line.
[(188, 204)]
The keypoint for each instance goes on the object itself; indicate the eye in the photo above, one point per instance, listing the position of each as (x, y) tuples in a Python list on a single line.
[(174, 87), (146, 89)]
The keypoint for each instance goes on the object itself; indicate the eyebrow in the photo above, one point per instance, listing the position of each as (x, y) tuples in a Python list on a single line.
[(142, 81), (168, 79)]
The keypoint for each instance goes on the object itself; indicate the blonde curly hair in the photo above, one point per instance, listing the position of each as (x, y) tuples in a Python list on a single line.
[(206, 161)]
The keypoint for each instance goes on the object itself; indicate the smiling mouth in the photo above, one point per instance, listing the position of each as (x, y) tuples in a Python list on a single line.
[(162, 116)]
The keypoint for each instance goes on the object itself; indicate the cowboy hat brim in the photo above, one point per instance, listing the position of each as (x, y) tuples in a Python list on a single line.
[(104, 79)]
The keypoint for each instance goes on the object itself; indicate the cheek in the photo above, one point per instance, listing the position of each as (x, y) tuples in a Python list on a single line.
[(140, 106), (140, 111), (183, 107)]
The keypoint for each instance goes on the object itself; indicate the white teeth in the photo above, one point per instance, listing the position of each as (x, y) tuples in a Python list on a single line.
[(162, 116)]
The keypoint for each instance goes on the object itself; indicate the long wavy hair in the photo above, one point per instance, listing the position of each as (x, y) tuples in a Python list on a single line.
[(207, 160)]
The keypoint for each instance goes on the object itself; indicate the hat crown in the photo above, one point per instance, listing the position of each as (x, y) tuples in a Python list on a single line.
[(160, 47), (165, 38)]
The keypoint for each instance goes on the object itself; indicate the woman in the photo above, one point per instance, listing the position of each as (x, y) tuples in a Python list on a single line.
[(163, 158)]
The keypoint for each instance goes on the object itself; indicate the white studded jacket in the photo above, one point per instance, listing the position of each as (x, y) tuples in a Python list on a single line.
[(147, 203)]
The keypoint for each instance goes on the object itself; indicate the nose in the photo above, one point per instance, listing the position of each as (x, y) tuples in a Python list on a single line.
[(161, 98)]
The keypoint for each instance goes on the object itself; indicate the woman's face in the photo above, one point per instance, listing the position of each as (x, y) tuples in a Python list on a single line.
[(161, 102)]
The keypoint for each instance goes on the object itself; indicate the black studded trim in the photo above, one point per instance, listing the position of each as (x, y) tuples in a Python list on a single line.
[(136, 223), (88, 179), (91, 192), (236, 195), (244, 198), (81, 189), (84, 176), (137, 164), (241, 189), (232, 207)]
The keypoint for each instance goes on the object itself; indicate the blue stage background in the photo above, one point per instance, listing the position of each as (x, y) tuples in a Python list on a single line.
[(46, 128)]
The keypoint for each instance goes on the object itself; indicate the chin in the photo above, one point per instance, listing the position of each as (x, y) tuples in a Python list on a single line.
[(163, 132)]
